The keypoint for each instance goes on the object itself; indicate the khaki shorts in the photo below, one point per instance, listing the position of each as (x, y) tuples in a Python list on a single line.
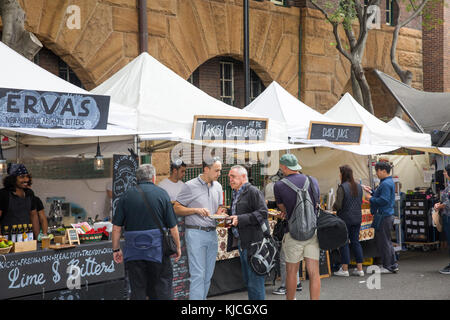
[(295, 251)]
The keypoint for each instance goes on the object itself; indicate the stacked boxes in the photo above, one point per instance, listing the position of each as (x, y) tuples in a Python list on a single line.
[(418, 227)]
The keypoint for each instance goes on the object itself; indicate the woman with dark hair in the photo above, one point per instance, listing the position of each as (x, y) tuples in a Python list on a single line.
[(444, 207), (348, 206)]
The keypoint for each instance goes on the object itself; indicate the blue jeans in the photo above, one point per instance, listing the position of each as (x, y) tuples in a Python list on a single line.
[(254, 283), (446, 229), (353, 236), (202, 251)]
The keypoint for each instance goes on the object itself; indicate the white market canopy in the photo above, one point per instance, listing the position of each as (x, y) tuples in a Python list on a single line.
[(165, 102), (377, 136)]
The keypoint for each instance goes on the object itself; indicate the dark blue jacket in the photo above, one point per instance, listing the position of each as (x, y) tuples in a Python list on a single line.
[(383, 201)]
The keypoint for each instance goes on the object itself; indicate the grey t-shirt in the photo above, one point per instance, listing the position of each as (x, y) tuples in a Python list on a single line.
[(197, 194)]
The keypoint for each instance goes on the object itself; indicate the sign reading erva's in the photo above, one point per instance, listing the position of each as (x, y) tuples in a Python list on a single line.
[(40, 109), (339, 133), (229, 129)]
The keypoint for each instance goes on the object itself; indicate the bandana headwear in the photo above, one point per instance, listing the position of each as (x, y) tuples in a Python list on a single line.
[(17, 169)]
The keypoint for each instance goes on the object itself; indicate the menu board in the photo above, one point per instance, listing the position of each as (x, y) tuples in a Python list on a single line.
[(181, 275), (337, 133), (43, 271), (124, 176), (229, 129)]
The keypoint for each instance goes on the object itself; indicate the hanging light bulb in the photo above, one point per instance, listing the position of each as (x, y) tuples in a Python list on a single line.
[(99, 163)]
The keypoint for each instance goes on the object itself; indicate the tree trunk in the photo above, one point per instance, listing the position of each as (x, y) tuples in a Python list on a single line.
[(356, 89), (14, 34), (360, 76)]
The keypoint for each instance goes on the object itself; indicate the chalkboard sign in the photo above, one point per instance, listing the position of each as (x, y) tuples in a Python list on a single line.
[(227, 129), (180, 282), (72, 236), (338, 133), (124, 176), (42, 271), (42, 109), (324, 266)]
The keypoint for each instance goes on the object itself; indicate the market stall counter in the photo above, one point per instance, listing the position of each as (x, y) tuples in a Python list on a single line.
[(86, 271)]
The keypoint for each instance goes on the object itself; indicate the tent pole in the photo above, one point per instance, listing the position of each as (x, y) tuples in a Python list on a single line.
[(137, 148), (17, 148)]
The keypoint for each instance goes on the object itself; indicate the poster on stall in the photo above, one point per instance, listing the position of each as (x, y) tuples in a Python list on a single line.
[(124, 176), (51, 110)]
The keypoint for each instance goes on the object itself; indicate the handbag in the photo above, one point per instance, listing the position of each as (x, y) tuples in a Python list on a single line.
[(437, 219), (168, 244), (262, 255), (331, 231)]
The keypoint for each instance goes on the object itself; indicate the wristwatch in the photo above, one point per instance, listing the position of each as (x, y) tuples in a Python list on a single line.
[(116, 250)]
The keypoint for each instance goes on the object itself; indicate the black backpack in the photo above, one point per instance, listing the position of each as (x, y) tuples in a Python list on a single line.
[(331, 231)]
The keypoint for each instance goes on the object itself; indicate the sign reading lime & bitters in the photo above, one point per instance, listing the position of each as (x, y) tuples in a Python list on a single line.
[(42, 109), (338, 133), (226, 129)]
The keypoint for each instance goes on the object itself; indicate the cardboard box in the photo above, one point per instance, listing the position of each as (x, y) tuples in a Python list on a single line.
[(60, 239), (24, 246)]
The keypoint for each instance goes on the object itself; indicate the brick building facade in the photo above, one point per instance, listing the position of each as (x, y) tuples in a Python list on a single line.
[(195, 38)]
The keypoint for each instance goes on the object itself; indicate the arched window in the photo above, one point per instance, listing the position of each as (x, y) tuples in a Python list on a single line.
[(54, 64), (223, 79)]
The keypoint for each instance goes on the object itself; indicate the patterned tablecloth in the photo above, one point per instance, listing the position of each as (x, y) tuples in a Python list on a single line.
[(366, 232), (222, 234)]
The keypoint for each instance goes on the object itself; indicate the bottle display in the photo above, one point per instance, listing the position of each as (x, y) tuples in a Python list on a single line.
[(6, 233), (19, 236), (30, 232), (14, 233)]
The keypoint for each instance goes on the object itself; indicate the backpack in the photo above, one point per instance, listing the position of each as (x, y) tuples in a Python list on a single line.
[(303, 221), (331, 231)]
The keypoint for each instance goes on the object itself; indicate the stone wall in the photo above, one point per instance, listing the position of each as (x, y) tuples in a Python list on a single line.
[(183, 34)]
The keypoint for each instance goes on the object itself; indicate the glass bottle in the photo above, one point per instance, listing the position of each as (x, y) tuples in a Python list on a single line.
[(19, 237), (14, 233)]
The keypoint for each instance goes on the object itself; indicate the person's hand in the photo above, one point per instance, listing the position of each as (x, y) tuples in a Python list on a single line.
[(438, 206), (367, 196), (202, 212), (118, 256), (367, 188), (178, 254), (283, 215)]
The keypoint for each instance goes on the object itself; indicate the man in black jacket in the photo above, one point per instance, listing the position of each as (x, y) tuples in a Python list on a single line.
[(248, 212)]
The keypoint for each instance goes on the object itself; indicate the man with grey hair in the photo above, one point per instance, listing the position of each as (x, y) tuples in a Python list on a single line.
[(199, 198), (149, 269), (248, 213)]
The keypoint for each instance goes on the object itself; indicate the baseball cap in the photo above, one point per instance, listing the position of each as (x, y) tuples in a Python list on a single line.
[(290, 161)]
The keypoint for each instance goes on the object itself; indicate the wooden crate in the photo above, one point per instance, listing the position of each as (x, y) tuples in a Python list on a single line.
[(60, 239), (24, 246)]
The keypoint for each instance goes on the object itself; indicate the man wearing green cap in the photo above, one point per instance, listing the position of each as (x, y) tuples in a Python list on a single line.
[(295, 250)]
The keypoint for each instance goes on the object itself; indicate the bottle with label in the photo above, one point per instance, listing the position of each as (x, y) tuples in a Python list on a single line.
[(25, 233), (14, 233), (30, 232), (19, 237), (6, 233)]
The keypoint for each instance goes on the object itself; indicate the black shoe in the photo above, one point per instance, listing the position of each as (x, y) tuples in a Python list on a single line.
[(446, 270), (280, 291), (393, 268), (299, 287)]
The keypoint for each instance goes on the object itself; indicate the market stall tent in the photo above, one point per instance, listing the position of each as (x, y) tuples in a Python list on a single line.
[(375, 132), (18, 72), (167, 103)]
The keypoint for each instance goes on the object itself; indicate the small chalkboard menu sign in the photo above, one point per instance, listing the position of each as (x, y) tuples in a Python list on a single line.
[(324, 266), (124, 176), (229, 129), (72, 236), (338, 133)]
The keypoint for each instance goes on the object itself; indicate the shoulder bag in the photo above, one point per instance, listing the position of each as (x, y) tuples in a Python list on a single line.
[(169, 247), (262, 255)]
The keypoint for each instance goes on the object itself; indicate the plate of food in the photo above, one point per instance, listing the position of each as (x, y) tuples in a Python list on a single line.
[(219, 216)]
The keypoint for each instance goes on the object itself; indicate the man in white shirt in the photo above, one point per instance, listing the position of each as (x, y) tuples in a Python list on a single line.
[(174, 183)]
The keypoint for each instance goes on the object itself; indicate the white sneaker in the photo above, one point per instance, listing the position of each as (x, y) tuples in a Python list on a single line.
[(341, 273), (355, 272), (384, 270)]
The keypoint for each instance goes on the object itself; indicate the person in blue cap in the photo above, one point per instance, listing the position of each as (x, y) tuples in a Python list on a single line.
[(16, 200)]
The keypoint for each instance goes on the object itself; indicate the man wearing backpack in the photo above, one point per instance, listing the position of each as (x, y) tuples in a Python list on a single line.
[(297, 197)]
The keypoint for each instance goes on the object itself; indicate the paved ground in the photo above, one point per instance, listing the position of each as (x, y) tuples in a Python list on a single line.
[(418, 278)]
